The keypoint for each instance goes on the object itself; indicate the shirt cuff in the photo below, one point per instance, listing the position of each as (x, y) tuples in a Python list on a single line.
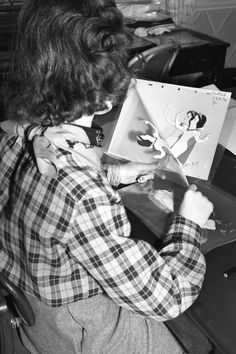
[(112, 173), (185, 230)]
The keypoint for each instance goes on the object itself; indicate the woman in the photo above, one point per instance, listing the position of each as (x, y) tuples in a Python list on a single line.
[(64, 231)]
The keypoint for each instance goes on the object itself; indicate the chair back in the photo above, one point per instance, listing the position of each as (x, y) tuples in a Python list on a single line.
[(155, 63), (14, 304)]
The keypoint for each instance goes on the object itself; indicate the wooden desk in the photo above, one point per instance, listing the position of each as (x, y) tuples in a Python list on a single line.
[(207, 56), (198, 53), (214, 311)]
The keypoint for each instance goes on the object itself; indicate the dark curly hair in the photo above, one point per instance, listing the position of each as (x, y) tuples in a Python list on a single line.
[(201, 118), (70, 58)]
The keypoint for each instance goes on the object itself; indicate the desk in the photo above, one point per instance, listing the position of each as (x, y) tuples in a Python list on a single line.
[(220, 190), (198, 52), (215, 309), (156, 218)]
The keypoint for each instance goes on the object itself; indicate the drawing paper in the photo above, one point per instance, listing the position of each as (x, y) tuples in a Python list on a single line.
[(177, 126)]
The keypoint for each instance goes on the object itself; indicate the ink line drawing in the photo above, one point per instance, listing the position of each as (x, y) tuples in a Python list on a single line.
[(189, 133), (152, 141), (183, 127)]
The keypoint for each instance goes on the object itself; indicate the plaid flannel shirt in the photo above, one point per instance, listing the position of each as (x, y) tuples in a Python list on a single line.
[(67, 239)]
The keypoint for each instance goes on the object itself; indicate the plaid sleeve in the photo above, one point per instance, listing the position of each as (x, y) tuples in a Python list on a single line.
[(161, 284)]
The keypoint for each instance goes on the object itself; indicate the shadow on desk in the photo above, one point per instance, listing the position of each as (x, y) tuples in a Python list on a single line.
[(226, 181)]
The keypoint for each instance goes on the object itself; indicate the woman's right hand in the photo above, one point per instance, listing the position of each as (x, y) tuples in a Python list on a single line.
[(195, 206)]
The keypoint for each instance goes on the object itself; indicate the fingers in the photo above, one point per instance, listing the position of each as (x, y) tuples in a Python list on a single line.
[(144, 178), (149, 173), (141, 172), (195, 206), (160, 174), (145, 168), (131, 172), (192, 187)]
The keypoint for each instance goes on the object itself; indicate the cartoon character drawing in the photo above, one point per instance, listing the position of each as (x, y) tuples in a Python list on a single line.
[(190, 134), (178, 121), (153, 141)]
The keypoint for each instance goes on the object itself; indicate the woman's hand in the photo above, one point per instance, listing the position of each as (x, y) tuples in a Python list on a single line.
[(195, 206), (131, 172)]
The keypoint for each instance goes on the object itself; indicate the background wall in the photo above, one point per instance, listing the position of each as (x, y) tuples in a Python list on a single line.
[(218, 18), (213, 17)]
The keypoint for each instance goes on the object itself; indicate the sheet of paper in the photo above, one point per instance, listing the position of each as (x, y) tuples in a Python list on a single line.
[(167, 122), (130, 139), (228, 133)]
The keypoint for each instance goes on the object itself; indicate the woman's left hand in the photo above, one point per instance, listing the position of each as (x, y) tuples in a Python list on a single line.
[(131, 172)]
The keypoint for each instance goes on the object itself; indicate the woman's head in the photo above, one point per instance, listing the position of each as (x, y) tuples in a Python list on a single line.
[(197, 118), (70, 58)]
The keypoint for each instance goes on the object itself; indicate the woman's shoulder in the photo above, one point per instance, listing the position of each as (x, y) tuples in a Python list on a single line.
[(83, 181)]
